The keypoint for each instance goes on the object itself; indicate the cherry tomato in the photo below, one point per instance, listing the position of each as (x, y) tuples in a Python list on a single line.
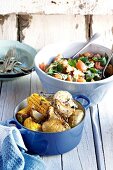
[(98, 66), (42, 66), (81, 66)]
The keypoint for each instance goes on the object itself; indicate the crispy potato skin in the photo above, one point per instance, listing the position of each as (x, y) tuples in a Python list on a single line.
[(75, 118), (53, 125), (63, 110), (30, 124)]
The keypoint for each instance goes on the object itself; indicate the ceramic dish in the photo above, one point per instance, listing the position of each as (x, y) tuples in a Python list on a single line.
[(24, 53), (95, 90), (51, 143)]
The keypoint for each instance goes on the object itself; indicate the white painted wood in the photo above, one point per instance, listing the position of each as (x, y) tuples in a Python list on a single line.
[(45, 29), (12, 93), (56, 6), (103, 25), (53, 162), (82, 157), (8, 27), (106, 122), (36, 86), (97, 137)]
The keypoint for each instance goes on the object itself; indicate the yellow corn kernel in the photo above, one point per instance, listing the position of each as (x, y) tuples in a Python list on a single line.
[(38, 103), (23, 114), (25, 110)]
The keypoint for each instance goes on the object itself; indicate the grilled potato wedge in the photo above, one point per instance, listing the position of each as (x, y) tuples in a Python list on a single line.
[(30, 124), (75, 118)]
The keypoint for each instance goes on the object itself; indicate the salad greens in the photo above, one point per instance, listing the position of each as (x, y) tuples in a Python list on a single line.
[(82, 69)]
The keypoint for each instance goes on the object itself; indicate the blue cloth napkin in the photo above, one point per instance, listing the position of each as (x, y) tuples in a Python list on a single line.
[(12, 151)]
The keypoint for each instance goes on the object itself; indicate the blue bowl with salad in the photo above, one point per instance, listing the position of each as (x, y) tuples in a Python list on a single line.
[(82, 75)]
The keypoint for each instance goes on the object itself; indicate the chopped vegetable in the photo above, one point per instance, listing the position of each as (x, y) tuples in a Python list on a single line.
[(72, 62), (80, 65), (86, 68), (81, 79), (42, 66), (54, 68)]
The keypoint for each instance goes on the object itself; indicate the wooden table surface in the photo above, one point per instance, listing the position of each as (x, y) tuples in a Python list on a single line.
[(95, 151)]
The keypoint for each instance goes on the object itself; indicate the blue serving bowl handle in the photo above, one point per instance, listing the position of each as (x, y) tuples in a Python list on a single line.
[(87, 101), (13, 122)]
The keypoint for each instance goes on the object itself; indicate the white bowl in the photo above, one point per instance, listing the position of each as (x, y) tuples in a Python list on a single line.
[(93, 90)]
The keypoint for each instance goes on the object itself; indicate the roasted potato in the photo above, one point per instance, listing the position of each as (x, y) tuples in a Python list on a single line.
[(75, 118), (30, 124), (53, 125), (54, 115), (63, 110), (36, 116)]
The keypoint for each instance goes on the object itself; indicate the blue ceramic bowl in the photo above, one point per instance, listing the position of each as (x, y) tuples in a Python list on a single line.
[(51, 143)]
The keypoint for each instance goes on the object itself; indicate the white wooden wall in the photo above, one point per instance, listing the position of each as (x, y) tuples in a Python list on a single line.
[(39, 30)]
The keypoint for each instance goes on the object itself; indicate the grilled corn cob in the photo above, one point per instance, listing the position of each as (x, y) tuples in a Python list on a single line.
[(23, 114), (38, 103), (30, 124)]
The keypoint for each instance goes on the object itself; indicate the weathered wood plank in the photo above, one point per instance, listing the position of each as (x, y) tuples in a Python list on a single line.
[(45, 29), (8, 27), (83, 156), (106, 122), (12, 93), (36, 86), (56, 7), (53, 162), (103, 25), (97, 137)]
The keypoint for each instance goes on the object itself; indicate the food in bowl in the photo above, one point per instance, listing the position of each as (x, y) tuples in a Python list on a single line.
[(87, 67), (94, 90), (54, 113)]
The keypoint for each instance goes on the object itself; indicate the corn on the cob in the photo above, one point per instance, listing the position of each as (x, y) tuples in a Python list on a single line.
[(25, 110), (23, 114), (38, 103), (30, 124)]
